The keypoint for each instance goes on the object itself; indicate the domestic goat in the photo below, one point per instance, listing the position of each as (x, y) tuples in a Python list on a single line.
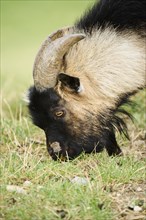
[(83, 74)]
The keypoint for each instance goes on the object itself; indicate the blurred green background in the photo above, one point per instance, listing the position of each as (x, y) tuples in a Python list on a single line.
[(24, 25)]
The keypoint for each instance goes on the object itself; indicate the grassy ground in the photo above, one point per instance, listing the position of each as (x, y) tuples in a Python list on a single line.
[(32, 185)]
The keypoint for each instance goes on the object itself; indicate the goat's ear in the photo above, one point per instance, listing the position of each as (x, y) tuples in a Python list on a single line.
[(70, 82)]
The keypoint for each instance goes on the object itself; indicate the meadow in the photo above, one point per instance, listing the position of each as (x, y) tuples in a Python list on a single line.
[(33, 186)]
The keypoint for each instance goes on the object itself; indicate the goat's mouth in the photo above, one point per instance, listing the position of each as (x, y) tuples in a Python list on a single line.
[(60, 152)]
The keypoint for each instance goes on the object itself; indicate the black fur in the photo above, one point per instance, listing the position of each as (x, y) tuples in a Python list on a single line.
[(121, 14), (42, 106)]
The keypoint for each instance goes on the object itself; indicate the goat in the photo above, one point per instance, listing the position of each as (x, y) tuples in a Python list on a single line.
[(83, 74)]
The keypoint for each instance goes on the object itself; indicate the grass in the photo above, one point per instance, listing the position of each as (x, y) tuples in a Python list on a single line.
[(47, 191), (51, 194)]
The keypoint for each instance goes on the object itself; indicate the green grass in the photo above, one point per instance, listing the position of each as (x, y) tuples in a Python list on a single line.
[(51, 193), (111, 182), (24, 157)]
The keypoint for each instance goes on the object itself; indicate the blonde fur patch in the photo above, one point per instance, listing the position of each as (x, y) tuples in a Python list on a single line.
[(108, 64)]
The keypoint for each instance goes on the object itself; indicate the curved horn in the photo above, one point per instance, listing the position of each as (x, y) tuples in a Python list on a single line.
[(49, 58)]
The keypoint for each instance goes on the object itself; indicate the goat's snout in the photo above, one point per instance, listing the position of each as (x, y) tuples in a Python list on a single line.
[(56, 151), (55, 146)]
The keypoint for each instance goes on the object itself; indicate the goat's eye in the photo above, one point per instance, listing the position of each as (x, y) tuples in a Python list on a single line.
[(59, 113)]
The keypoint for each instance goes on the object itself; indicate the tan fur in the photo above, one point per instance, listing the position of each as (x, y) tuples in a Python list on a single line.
[(108, 65)]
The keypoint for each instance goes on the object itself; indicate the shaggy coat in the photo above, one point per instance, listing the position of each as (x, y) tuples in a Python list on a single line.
[(77, 101)]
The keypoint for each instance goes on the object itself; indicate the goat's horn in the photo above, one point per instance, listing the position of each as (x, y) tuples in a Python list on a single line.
[(49, 58)]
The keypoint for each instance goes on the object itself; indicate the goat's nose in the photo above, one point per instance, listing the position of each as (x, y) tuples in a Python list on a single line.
[(55, 146), (55, 151)]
